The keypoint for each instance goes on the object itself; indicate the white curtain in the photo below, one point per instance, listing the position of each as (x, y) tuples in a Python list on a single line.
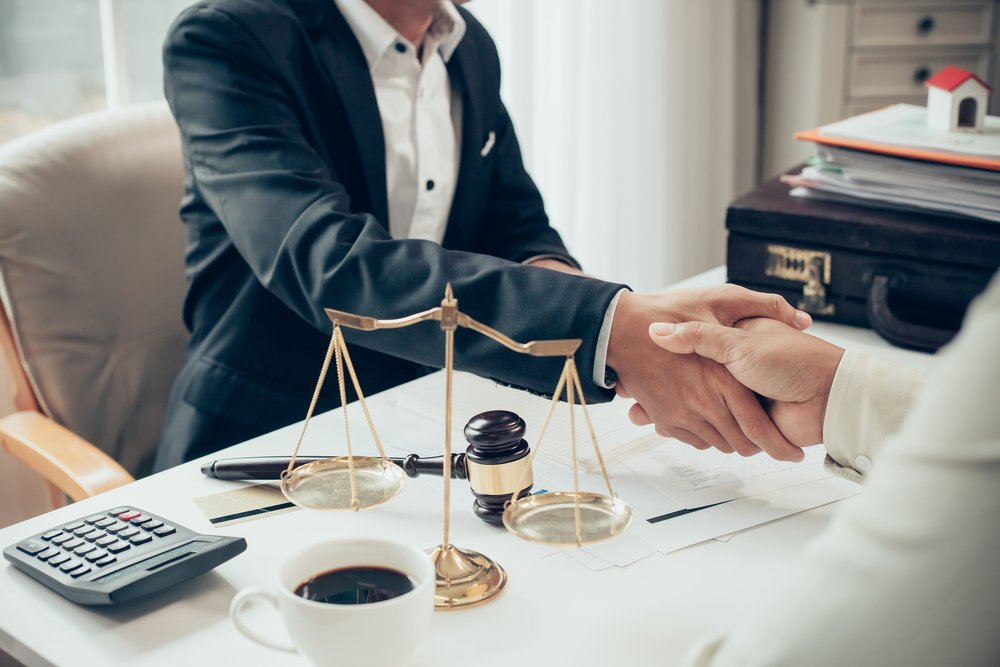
[(637, 119)]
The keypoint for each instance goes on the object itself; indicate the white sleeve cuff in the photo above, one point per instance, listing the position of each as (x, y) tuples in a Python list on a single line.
[(868, 400), (601, 353)]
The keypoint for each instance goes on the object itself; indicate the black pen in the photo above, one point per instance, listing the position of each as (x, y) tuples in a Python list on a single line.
[(269, 468)]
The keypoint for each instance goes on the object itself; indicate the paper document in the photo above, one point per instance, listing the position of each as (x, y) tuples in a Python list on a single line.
[(680, 495), (906, 125)]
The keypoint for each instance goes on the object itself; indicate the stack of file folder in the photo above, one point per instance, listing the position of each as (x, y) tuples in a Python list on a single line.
[(891, 159)]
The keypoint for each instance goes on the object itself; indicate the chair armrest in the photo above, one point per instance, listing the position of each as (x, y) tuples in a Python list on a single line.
[(78, 468)]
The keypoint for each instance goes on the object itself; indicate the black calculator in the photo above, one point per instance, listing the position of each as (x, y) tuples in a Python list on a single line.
[(119, 555)]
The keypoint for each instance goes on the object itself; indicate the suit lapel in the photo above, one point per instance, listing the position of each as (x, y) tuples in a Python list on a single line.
[(345, 63), (461, 68)]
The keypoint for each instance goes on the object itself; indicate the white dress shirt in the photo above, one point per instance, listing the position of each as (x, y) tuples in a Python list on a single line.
[(421, 119), (906, 574)]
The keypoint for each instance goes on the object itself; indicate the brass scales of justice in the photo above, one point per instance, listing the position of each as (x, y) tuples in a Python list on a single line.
[(463, 578)]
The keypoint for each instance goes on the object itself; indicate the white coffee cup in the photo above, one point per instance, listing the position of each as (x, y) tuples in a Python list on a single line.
[(343, 635)]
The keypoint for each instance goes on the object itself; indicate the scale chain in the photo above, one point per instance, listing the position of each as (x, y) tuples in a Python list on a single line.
[(339, 336), (315, 397)]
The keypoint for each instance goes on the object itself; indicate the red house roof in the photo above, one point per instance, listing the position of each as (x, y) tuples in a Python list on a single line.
[(952, 77)]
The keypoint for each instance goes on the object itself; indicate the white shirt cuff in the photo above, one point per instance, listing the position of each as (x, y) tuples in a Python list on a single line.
[(868, 400), (601, 353)]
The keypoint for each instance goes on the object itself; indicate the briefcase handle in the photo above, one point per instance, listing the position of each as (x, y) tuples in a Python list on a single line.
[(899, 332)]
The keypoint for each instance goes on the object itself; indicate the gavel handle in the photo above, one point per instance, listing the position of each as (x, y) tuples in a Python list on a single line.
[(269, 468)]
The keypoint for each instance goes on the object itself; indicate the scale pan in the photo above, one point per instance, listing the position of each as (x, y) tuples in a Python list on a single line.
[(550, 518), (326, 485)]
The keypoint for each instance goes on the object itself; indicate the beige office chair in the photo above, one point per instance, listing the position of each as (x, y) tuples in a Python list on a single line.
[(92, 280)]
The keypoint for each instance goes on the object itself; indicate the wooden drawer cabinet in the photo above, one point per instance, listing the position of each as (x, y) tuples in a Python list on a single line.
[(824, 60), (942, 23), (903, 75)]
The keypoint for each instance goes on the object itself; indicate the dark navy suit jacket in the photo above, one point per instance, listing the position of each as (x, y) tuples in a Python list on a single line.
[(286, 213)]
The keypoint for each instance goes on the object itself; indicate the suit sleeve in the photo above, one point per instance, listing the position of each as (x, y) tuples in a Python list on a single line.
[(290, 220)]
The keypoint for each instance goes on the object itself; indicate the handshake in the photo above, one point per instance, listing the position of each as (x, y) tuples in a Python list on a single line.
[(723, 367)]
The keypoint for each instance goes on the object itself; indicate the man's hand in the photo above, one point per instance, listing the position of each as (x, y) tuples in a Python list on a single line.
[(690, 397), (787, 366)]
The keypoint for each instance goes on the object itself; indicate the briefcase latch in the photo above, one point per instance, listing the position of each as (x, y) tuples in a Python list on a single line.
[(809, 267)]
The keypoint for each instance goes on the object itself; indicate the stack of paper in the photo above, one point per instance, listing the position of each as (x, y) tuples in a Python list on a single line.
[(890, 158)]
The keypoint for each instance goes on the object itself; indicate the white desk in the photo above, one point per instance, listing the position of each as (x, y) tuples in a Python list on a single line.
[(554, 611)]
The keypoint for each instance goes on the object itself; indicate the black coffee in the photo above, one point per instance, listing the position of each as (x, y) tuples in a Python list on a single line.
[(355, 585)]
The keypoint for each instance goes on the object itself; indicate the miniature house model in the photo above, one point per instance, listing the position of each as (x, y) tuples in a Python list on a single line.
[(956, 101)]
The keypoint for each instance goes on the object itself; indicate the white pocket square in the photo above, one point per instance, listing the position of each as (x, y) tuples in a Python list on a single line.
[(491, 139)]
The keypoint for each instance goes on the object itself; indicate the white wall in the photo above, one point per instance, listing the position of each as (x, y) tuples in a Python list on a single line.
[(638, 121)]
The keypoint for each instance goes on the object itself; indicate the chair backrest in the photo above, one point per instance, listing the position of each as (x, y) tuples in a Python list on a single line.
[(92, 273)]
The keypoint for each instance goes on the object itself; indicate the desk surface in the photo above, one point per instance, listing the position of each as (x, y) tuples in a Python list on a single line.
[(555, 610)]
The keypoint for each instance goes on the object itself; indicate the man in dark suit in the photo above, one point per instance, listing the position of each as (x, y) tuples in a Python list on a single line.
[(356, 155)]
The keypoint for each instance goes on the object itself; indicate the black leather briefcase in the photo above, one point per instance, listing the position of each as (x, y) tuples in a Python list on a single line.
[(908, 275)]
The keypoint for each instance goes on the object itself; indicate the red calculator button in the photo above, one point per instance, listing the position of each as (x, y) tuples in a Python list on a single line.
[(128, 516)]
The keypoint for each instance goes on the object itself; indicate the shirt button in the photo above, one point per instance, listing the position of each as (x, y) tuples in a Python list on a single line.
[(401, 47), (430, 185), (863, 464)]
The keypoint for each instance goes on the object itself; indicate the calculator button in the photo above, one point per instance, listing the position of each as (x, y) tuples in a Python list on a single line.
[(58, 560), (52, 533), (119, 510), (105, 522), (141, 519), (94, 536), (47, 554), (62, 539), (150, 525), (163, 531), (128, 516), (73, 543), (84, 549), (86, 530), (94, 518), (70, 565), (95, 555), (107, 560), (106, 540), (118, 547), (128, 533), (141, 539), (116, 528), (73, 526), (80, 572), (32, 547)]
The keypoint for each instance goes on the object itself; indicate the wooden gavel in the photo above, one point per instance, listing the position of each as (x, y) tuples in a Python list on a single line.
[(496, 462)]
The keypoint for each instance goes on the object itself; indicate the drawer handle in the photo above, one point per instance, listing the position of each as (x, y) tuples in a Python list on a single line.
[(921, 74), (926, 25)]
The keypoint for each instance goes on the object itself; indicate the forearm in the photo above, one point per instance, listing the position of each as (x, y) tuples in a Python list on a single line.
[(905, 574)]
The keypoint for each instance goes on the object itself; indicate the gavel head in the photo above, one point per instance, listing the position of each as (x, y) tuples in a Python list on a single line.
[(496, 462)]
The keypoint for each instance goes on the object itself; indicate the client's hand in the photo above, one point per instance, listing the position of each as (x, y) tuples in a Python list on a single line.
[(689, 397), (778, 362)]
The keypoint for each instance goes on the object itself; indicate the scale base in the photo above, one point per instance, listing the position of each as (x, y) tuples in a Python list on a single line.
[(465, 578)]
